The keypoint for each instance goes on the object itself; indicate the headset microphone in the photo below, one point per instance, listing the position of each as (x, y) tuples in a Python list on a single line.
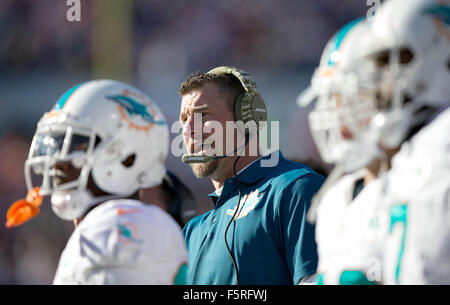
[(187, 158), (193, 158)]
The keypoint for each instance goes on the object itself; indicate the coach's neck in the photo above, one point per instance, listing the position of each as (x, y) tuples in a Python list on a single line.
[(225, 169)]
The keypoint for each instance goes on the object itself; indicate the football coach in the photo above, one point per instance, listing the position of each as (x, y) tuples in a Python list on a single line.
[(256, 232)]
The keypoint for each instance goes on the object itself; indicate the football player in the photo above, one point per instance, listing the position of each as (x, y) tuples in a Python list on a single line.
[(342, 209), (101, 144), (404, 73), (395, 94)]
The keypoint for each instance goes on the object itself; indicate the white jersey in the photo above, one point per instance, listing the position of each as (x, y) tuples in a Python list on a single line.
[(417, 202), (123, 242), (345, 230), (397, 230)]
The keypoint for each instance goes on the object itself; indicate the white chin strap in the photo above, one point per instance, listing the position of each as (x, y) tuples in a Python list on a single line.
[(70, 205)]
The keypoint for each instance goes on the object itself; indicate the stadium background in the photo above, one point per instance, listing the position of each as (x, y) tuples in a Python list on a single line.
[(152, 45)]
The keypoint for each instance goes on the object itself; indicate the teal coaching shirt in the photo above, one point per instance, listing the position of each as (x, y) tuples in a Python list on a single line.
[(270, 239)]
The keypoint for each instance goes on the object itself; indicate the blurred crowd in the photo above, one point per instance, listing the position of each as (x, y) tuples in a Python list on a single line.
[(169, 39), (192, 34)]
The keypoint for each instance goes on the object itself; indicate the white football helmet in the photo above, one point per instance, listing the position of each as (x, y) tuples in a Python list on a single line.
[(97, 125), (335, 142), (403, 71)]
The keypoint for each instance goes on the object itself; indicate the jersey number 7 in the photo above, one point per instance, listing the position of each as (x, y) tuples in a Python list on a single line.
[(398, 216)]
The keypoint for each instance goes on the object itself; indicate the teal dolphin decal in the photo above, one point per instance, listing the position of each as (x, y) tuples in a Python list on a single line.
[(127, 233), (135, 108)]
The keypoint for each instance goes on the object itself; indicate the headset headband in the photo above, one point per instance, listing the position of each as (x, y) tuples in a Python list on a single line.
[(250, 106)]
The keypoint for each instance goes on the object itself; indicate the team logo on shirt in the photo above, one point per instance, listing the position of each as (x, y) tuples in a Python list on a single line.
[(248, 204), (128, 232)]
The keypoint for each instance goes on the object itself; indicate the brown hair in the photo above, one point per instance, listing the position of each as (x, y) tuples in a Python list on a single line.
[(228, 85)]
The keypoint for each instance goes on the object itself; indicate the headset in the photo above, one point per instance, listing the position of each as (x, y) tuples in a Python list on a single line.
[(249, 106)]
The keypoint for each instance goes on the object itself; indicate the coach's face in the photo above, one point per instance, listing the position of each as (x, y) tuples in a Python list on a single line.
[(210, 106)]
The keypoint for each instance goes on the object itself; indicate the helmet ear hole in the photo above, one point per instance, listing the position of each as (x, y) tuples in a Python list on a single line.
[(406, 56), (97, 141), (129, 161), (381, 59)]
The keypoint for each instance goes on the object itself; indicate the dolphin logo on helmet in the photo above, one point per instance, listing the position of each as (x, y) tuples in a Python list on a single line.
[(133, 107)]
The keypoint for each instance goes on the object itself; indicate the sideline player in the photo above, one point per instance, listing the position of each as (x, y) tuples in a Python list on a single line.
[(341, 209), (405, 73), (399, 86), (102, 142)]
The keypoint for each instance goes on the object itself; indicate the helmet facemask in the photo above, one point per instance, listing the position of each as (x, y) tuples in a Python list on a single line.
[(59, 163), (338, 142), (405, 61), (389, 106), (54, 144)]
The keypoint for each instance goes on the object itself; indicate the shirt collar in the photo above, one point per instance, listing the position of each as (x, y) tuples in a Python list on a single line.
[(250, 174), (218, 192)]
